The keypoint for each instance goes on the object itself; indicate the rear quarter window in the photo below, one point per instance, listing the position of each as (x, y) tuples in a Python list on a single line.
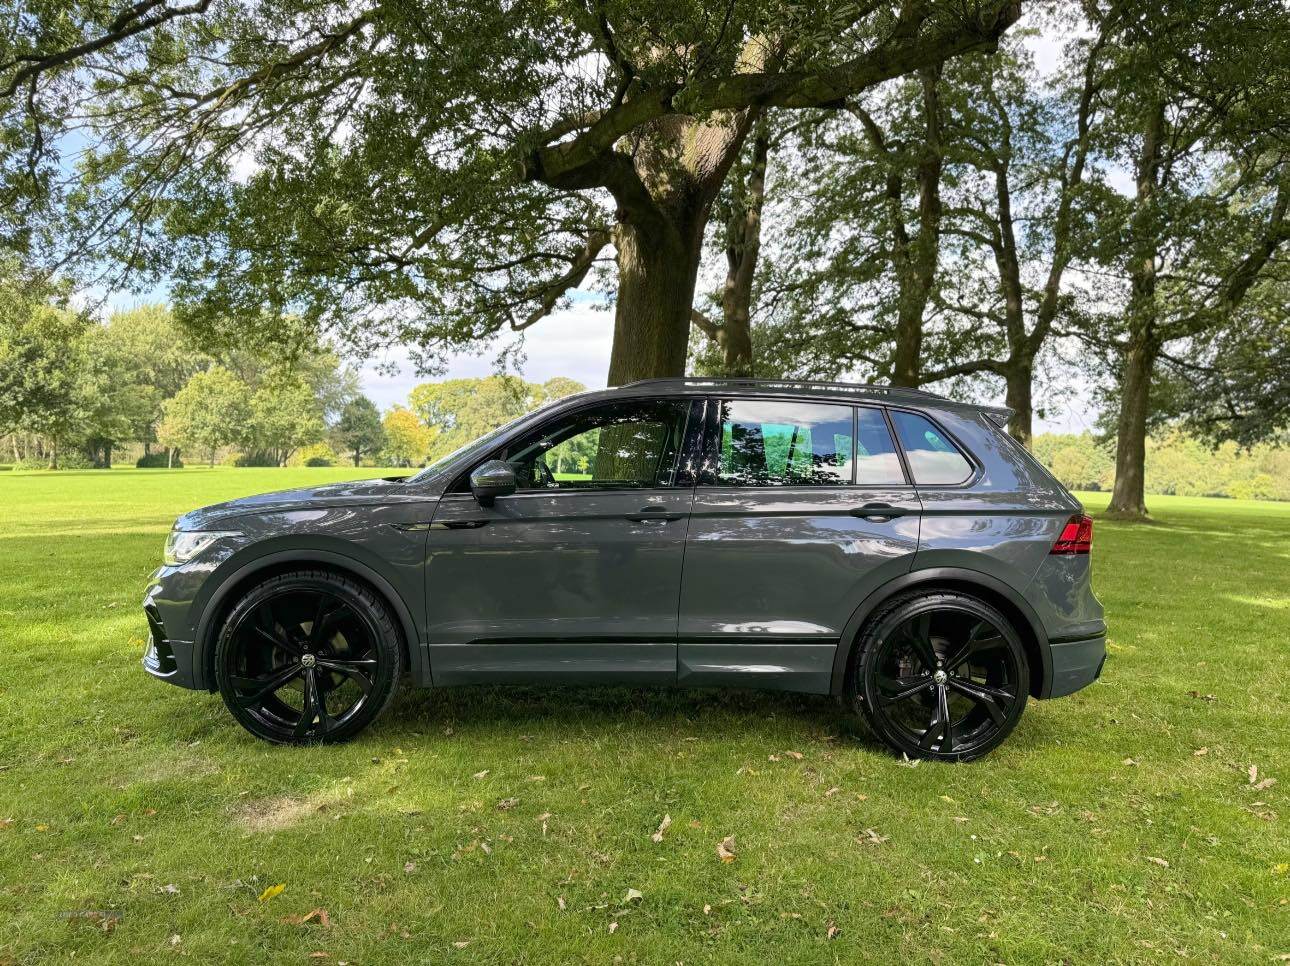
[(933, 459)]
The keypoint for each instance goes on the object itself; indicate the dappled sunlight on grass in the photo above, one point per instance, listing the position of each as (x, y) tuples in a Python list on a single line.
[(517, 818)]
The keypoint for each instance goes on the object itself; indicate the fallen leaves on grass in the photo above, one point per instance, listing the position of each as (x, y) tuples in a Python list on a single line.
[(1202, 697), (1200, 752), (613, 928), (871, 836), (480, 774), (632, 895), (832, 931), (726, 849), (663, 826), (506, 804), (319, 916), (1163, 863), (832, 791), (461, 944), (271, 891), (1131, 762)]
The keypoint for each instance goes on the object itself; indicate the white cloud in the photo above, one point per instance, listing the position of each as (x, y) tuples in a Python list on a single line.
[(573, 342)]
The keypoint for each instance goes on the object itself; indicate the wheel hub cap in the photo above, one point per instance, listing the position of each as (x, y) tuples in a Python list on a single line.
[(940, 677), (309, 660)]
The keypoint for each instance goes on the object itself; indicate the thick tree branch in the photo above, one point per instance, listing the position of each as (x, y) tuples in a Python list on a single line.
[(827, 86), (705, 324), (138, 19), (551, 293)]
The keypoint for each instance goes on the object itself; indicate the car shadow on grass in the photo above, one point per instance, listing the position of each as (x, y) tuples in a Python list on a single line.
[(661, 710)]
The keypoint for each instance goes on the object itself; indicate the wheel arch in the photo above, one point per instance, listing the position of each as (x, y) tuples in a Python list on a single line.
[(988, 588), (261, 568)]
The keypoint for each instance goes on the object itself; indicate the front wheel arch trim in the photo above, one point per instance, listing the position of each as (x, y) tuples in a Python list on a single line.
[(1032, 632), (207, 627)]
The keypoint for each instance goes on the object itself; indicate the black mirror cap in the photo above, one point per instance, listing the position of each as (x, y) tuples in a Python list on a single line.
[(490, 480)]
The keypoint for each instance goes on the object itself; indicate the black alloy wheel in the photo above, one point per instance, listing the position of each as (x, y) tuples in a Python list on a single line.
[(308, 656), (942, 676)]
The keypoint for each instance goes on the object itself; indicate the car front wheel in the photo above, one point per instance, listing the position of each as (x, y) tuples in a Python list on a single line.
[(941, 676), (308, 656)]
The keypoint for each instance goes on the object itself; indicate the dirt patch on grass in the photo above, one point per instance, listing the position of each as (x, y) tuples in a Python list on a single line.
[(279, 812)]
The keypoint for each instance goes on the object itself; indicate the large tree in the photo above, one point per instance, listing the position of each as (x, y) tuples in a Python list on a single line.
[(1198, 117), (427, 172)]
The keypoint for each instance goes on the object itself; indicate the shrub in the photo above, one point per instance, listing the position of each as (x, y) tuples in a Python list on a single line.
[(157, 461), (319, 454)]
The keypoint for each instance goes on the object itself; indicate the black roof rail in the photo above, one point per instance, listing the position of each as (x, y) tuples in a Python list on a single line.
[(717, 381)]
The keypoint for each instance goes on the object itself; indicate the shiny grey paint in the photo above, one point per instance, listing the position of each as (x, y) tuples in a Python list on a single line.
[(763, 587)]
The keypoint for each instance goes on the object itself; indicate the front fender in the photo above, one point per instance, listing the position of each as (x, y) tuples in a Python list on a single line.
[(345, 556)]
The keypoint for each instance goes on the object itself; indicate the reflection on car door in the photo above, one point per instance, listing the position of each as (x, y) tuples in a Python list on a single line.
[(801, 509), (576, 576)]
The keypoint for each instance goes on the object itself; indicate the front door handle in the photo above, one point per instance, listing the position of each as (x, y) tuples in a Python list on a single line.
[(880, 512), (653, 514)]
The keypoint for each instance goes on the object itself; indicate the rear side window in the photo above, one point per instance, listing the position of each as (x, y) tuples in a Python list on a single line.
[(933, 459), (775, 443), (876, 461)]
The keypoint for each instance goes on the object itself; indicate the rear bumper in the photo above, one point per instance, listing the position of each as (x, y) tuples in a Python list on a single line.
[(1076, 664)]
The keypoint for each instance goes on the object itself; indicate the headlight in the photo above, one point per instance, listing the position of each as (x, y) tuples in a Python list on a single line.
[(183, 545)]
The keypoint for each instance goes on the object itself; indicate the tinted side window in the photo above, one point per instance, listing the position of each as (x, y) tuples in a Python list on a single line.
[(876, 460), (933, 460), (620, 445), (774, 443)]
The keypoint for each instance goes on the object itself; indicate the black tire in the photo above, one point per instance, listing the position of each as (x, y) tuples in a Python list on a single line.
[(307, 657), (911, 697)]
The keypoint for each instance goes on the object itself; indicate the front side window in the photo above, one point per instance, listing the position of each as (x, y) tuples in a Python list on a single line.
[(776, 443), (933, 459), (622, 445)]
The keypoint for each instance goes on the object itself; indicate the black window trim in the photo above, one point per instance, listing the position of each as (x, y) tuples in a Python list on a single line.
[(973, 463), (706, 475), (463, 478)]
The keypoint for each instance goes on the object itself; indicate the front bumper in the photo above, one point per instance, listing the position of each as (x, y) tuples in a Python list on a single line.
[(1075, 664), (166, 659)]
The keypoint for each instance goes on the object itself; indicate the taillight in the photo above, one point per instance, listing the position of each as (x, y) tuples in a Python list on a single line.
[(1076, 536)]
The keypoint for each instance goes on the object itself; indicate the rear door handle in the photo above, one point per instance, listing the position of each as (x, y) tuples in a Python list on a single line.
[(653, 514), (880, 512), (458, 524)]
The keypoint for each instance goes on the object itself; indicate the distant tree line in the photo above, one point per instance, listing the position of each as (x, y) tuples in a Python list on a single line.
[(1177, 464)]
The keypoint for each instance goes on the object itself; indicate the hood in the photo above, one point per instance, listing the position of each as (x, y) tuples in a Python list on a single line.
[(355, 493)]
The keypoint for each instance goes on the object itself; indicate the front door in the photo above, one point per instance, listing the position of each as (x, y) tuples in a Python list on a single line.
[(802, 509), (576, 576)]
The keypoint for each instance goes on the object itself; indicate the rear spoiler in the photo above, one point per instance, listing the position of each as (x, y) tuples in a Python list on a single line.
[(999, 415)]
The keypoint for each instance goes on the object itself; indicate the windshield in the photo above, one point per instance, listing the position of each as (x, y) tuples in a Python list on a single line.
[(481, 443)]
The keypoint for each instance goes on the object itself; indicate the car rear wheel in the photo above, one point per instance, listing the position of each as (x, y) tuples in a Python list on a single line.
[(308, 656), (941, 676)]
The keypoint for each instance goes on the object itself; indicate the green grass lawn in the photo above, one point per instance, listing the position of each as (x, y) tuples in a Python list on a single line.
[(508, 825)]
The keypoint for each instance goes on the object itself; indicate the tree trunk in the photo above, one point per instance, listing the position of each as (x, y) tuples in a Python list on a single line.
[(1128, 498), (357, 455), (212, 457), (170, 457), (1019, 379), (657, 270)]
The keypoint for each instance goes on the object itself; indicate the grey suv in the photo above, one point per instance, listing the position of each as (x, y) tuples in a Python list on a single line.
[(888, 546)]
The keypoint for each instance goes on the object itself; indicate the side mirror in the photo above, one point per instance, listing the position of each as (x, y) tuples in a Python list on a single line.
[(490, 480)]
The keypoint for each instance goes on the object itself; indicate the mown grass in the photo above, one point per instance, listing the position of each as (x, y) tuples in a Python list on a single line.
[(507, 825)]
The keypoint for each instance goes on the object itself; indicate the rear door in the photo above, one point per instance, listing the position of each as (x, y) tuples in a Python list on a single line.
[(576, 576), (801, 509)]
